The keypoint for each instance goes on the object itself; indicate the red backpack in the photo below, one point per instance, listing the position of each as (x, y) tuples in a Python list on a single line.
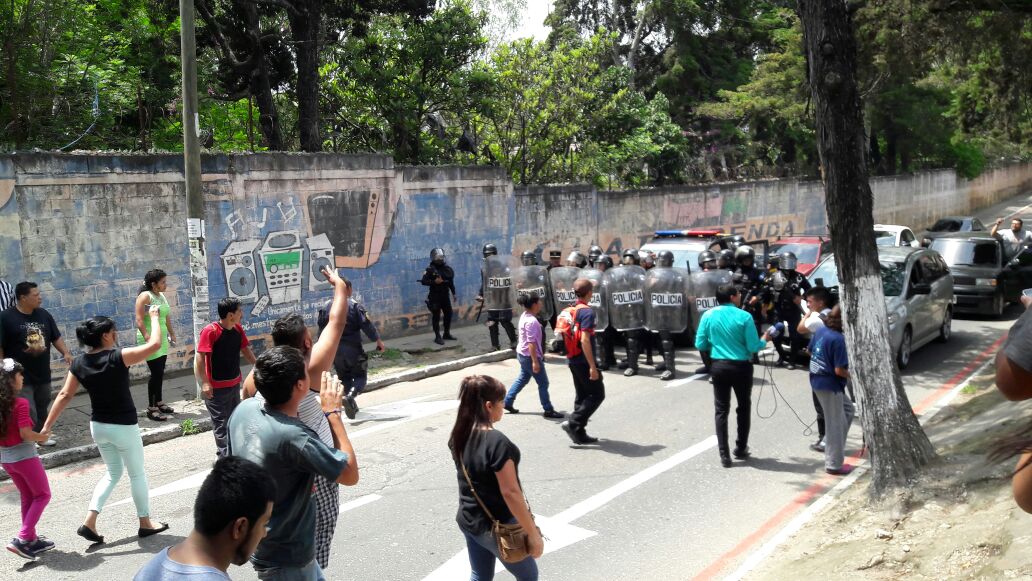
[(566, 326)]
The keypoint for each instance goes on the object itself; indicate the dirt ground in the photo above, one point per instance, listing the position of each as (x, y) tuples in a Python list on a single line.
[(959, 521), (398, 360)]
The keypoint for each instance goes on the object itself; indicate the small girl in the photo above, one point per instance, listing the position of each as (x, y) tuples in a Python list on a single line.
[(19, 458), (529, 353)]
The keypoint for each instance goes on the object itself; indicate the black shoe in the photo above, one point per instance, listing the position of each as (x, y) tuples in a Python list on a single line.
[(741, 454), (143, 533), (725, 461), (661, 367), (510, 409), (630, 372), (817, 447), (667, 375), (448, 337), (350, 406), (439, 341), (89, 534), (570, 431), (846, 469), (585, 438), (553, 415)]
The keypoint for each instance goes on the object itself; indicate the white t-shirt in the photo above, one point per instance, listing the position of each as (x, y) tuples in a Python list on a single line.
[(1013, 242), (813, 321)]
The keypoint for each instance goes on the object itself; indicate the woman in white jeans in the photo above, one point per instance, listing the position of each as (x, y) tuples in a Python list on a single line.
[(104, 371)]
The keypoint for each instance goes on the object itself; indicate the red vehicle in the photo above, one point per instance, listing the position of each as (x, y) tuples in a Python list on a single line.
[(809, 250)]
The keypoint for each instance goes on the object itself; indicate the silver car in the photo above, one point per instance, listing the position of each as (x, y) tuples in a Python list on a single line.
[(918, 290)]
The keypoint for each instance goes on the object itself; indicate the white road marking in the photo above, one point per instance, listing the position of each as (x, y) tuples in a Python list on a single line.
[(758, 556), (192, 481), (360, 501), (686, 380), (558, 529)]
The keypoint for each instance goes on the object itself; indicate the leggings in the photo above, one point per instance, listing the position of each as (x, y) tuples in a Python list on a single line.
[(121, 447), (157, 377), (31, 480)]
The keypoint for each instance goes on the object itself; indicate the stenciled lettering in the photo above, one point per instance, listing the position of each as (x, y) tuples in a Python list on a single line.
[(703, 304), (566, 296), (628, 297), (499, 282), (526, 292), (667, 299), (595, 300)]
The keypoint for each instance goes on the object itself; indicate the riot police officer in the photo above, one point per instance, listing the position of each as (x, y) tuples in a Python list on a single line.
[(605, 336), (497, 295), (726, 259), (704, 287), (787, 287), (627, 307), (749, 281), (707, 260), (555, 260), (667, 311), (531, 278), (577, 259), (646, 259), (441, 279)]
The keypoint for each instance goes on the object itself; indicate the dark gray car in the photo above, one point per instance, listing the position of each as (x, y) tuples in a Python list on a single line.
[(983, 280)]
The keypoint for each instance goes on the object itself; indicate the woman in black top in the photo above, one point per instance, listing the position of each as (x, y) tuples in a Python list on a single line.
[(104, 371), (492, 462)]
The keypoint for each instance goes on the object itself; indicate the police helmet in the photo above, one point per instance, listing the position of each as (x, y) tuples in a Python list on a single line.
[(606, 261), (705, 257), (490, 250), (595, 252), (630, 256), (789, 261), (646, 259), (665, 259), (726, 258), (743, 253), (437, 256), (773, 260), (735, 241), (528, 258), (577, 258)]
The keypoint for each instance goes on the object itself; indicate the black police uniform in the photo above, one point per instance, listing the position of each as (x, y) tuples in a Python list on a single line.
[(786, 309), (438, 299)]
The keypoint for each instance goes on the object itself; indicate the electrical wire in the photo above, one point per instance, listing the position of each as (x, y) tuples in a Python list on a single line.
[(768, 376), (96, 117)]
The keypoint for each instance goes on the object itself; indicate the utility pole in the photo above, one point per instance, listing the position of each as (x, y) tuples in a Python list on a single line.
[(192, 173)]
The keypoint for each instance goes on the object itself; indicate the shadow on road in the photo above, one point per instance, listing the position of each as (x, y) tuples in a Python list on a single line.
[(58, 560), (795, 465), (628, 449)]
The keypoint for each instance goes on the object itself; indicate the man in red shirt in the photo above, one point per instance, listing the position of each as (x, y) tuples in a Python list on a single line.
[(217, 367)]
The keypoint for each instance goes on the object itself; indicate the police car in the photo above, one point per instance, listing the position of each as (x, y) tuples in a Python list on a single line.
[(687, 245)]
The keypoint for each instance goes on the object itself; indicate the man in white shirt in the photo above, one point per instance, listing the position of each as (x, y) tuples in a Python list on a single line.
[(1014, 239), (819, 301)]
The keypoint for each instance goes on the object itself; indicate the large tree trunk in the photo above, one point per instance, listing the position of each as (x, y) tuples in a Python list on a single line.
[(898, 445), (304, 26), (261, 86)]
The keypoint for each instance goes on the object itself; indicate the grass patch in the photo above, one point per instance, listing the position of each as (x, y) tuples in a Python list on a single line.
[(189, 428), (389, 354)]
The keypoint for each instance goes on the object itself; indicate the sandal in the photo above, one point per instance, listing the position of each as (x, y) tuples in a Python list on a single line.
[(165, 409), (143, 533), (156, 415)]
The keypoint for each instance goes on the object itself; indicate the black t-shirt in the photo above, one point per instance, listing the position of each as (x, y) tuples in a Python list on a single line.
[(18, 331), (486, 452), (106, 378)]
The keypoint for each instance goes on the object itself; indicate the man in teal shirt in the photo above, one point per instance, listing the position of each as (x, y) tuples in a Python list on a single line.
[(730, 335)]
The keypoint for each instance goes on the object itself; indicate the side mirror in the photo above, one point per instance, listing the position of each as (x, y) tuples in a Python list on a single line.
[(921, 288), (915, 244)]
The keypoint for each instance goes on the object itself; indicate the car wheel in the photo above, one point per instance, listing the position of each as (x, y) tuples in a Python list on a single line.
[(947, 326), (905, 347)]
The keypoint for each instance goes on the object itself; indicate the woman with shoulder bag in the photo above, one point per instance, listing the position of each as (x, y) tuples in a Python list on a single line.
[(493, 512)]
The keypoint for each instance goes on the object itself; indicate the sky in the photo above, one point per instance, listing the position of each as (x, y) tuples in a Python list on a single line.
[(533, 20)]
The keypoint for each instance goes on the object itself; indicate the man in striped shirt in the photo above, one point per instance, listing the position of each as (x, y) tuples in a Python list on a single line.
[(6, 295)]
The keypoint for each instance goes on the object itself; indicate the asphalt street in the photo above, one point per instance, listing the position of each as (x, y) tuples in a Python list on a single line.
[(649, 501)]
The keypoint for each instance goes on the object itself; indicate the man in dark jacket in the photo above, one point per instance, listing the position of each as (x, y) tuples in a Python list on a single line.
[(351, 361), (441, 279)]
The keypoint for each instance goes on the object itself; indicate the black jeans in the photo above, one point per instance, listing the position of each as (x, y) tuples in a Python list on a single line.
[(589, 395), (820, 415), (731, 376), (157, 378), (39, 399), (221, 405), (440, 310)]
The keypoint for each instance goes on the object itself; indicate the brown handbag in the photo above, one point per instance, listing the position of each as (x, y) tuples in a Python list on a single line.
[(510, 538)]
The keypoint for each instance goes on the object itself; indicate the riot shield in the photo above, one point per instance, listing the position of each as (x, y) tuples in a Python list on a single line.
[(562, 278), (666, 299), (533, 280), (704, 291), (626, 285), (497, 277), (600, 298)]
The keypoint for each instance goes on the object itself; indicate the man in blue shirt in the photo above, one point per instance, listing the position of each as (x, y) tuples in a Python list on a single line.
[(829, 372), (587, 380), (729, 333)]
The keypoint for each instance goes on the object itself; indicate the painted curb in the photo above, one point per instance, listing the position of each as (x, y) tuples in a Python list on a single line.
[(169, 432)]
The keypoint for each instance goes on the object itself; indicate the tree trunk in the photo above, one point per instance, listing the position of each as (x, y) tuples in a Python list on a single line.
[(898, 445), (304, 27), (261, 86)]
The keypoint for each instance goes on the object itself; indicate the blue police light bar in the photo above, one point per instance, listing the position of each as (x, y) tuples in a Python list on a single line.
[(670, 232)]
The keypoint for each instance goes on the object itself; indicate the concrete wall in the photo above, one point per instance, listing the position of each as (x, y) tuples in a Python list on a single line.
[(87, 228)]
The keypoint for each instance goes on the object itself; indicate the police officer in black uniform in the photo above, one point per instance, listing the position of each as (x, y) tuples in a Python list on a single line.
[(749, 281), (726, 259), (787, 288), (707, 262), (497, 318), (441, 279)]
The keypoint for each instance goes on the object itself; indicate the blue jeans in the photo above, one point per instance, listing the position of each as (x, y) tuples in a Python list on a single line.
[(482, 554), (310, 572), (526, 372)]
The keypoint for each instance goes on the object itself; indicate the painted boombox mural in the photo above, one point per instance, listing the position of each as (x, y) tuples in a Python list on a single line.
[(357, 223), (275, 270)]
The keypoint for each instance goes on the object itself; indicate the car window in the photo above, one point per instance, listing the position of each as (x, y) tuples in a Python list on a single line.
[(946, 225), (884, 238), (930, 271), (967, 252), (891, 274), (976, 225), (908, 236)]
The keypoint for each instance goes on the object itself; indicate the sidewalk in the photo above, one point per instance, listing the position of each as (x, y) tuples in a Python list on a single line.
[(406, 359)]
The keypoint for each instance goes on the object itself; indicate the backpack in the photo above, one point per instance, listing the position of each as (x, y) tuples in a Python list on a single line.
[(566, 327)]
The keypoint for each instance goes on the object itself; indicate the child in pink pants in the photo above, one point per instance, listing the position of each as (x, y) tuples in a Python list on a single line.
[(19, 458)]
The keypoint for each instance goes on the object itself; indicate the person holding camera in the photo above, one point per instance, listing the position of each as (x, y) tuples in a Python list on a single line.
[(787, 287), (440, 278)]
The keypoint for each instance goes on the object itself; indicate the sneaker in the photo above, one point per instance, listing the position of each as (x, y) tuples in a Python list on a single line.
[(439, 341), (845, 469), (817, 447), (350, 407), (571, 431), (41, 545), (21, 548), (510, 409), (49, 443), (667, 375), (630, 372)]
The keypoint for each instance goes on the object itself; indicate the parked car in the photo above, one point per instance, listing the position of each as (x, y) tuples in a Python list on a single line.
[(893, 235), (950, 225), (918, 296), (983, 280), (809, 250), (687, 245)]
